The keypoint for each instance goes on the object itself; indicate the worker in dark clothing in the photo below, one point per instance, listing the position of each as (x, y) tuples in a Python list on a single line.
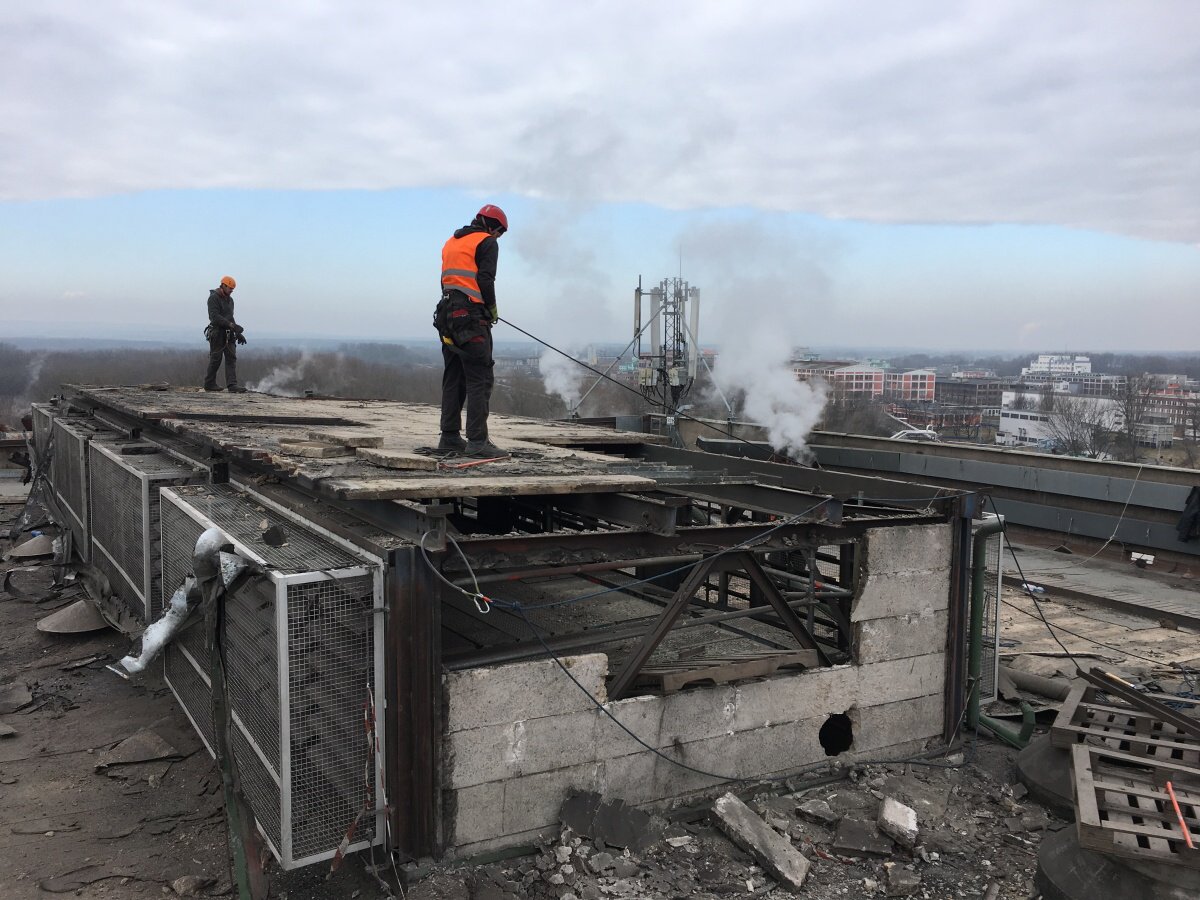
[(464, 319), (223, 335)]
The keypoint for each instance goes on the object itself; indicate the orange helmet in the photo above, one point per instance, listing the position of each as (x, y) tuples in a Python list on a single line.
[(227, 281)]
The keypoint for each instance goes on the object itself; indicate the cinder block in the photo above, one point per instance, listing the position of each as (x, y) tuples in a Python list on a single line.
[(522, 691), (886, 596), (718, 758), (901, 679), (878, 728), (794, 696), (641, 715), (497, 752), (908, 548), (898, 637), (782, 748), (530, 838), (697, 714), (478, 813), (633, 778), (533, 801)]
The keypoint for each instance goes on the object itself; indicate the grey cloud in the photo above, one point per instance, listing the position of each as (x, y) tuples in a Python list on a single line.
[(1081, 115)]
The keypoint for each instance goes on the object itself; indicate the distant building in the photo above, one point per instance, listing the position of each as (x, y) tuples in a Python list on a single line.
[(980, 392), (1055, 364), (861, 380), (1025, 420), (974, 373)]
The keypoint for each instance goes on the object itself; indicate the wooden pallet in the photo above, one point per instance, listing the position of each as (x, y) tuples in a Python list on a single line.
[(1122, 807), (724, 669), (1088, 715)]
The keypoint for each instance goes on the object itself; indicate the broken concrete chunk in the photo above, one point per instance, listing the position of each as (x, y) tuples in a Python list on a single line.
[(614, 822), (142, 746), (818, 811), (751, 833), (857, 838), (396, 459), (900, 881), (7, 730), (190, 885), (14, 696), (898, 822)]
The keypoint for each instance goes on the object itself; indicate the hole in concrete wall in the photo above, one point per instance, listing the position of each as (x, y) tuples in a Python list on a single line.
[(837, 734)]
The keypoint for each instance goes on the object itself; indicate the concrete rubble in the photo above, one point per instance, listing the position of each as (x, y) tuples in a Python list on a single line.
[(898, 822), (751, 833)]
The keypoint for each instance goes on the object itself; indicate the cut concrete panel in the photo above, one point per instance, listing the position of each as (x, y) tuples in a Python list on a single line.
[(478, 813), (901, 679), (898, 637), (768, 846), (533, 801), (912, 548), (641, 715), (794, 696), (532, 838), (697, 714), (885, 596), (878, 727), (782, 748), (497, 752), (521, 691)]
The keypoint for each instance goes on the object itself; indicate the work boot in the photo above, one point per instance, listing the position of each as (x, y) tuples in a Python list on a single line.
[(236, 389), (483, 450), (213, 387), (451, 443)]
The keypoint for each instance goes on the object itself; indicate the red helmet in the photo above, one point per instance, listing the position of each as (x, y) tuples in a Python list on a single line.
[(490, 211)]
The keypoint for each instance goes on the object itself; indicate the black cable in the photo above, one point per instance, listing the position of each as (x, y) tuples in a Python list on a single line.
[(1028, 589), (673, 411)]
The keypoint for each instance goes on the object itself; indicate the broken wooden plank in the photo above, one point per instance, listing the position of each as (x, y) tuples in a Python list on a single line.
[(722, 670), (396, 459), (1123, 812)]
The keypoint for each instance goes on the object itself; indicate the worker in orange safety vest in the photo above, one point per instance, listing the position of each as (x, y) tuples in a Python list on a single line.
[(464, 319)]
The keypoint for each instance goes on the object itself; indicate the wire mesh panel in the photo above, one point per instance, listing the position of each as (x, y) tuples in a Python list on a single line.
[(43, 422), (994, 567), (124, 497), (69, 474), (301, 656), (330, 669)]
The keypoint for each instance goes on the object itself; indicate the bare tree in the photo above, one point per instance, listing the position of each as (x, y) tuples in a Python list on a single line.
[(1133, 401), (1081, 425)]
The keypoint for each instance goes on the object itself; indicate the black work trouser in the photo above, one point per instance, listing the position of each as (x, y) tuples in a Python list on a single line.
[(467, 378), (219, 347)]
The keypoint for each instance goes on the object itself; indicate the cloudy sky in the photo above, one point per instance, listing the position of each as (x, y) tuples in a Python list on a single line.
[(981, 175)]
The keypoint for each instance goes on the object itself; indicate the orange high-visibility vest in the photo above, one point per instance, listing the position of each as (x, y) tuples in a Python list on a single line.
[(459, 272)]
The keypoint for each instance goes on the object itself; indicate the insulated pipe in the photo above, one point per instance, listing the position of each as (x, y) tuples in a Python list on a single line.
[(975, 647), (694, 312), (208, 562)]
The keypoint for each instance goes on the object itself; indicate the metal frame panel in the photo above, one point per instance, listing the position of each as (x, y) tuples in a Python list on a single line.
[(150, 472), (235, 514)]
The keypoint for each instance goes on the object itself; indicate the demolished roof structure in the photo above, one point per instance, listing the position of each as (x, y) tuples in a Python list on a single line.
[(598, 612)]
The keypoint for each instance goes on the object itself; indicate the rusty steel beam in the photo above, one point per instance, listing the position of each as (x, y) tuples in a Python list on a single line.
[(654, 514), (414, 705), (538, 550)]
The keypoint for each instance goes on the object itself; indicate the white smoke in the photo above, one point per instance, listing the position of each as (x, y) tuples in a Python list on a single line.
[(762, 293), (285, 380), (561, 376)]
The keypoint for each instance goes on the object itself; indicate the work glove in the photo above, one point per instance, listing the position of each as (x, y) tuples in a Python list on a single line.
[(241, 338), (493, 314), (238, 328)]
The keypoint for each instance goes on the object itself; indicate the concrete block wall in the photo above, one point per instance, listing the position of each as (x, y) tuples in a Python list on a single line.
[(520, 736)]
